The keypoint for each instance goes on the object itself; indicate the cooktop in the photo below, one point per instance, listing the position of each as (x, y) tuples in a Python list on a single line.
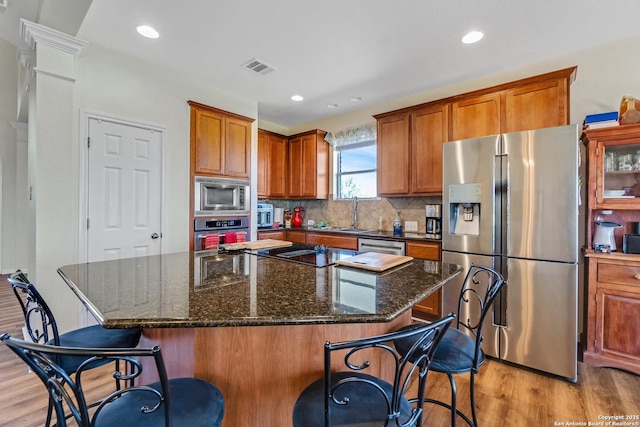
[(317, 256)]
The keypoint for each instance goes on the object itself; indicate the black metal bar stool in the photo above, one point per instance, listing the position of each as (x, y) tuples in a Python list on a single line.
[(42, 328), (460, 350), (351, 397)]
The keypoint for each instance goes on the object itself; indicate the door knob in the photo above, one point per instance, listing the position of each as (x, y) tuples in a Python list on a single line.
[(155, 236)]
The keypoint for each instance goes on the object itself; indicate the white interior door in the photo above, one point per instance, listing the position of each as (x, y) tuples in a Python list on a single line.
[(124, 191)]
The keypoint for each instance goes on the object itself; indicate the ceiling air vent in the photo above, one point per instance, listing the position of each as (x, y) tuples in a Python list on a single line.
[(258, 66)]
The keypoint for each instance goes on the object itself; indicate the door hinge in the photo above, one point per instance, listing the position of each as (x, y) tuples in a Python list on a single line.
[(597, 151), (88, 142), (87, 223)]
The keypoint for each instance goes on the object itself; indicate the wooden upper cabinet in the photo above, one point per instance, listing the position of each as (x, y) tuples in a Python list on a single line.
[(237, 148), (537, 105), (429, 130), (410, 151), (208, 132), (309, 166), (410, 139), (220, 142), (476, 116), (263, 163), (278, 166), (295, 167), (272, 165), (393, 155)]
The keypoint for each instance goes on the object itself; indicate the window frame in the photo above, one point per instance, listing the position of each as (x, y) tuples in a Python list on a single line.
[(339, 175)]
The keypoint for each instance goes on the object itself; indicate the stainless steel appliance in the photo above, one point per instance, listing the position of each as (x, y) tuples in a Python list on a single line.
[(265, 215), (393, 247), (511, 202), (218, 228), (433, 214), (220, 196)]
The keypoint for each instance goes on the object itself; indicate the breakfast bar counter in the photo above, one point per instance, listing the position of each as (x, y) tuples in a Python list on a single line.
[(253, 325)]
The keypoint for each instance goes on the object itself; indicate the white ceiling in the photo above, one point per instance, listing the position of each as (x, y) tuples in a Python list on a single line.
[(332, 50)]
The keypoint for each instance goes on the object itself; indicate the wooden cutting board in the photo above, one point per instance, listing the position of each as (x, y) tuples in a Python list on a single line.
[(374, 261), (264, 244)]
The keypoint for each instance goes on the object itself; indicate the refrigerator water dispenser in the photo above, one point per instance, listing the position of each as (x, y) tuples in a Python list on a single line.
[(464, 208)]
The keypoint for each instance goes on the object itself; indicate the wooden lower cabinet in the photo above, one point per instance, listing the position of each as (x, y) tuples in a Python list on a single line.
[(428, 308), (333, 240), (613, 319), (296, 236), (271, 234)]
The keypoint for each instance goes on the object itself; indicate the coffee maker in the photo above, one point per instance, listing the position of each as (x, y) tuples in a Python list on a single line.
[(433, 215)]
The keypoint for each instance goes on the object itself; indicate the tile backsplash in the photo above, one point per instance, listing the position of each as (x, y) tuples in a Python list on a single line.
[(338, 212)]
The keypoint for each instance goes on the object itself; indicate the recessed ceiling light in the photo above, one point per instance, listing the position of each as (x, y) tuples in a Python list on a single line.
[(297, 98), (332, 105), (472, 37), (148, 32), (356, 98)]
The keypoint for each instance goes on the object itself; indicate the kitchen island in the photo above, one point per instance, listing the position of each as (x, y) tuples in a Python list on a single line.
[(252, 325)]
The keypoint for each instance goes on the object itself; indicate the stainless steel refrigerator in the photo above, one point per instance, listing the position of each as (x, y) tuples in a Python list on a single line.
[(510, 202)]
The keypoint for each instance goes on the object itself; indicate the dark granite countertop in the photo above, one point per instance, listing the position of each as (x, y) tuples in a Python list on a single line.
[(204, 289), (409, 235)]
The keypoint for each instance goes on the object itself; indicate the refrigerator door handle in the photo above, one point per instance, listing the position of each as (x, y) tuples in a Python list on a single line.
[(500, 303)]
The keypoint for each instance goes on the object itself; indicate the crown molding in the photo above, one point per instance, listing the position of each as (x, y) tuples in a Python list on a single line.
[(24, 57), (20, 125), (34, 34)]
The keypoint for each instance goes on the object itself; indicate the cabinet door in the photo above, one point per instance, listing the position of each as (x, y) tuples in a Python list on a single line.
[(616, 335), (428, 308), (393, 155), (237, 148), (536, 106), (296, 236), (309, 162), (277, 175), (264, 154), (271, 234), (332, 240), (295, 167), (209, 131), (429, 130), (478, 116)]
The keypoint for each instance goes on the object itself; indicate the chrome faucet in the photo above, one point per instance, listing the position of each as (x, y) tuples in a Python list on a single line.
[(354, 212)]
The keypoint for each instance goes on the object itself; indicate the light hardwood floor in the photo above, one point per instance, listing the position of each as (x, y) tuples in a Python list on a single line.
[(505, 395)]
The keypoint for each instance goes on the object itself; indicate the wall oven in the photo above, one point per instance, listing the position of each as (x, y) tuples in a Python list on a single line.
[(220, 196), (208, 233)]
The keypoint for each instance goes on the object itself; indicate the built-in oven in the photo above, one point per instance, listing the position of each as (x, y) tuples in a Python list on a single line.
[(210, 232), (220, 197)]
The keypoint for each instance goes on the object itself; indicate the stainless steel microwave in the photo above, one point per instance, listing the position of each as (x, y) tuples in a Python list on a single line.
[(219, 196)]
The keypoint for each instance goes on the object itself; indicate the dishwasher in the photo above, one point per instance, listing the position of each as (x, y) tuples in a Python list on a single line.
[(393, 247)]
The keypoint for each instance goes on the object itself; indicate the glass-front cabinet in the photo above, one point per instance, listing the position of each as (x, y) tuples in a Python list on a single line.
[(621, 177), (613, 175), (614, 166), (612, 293)]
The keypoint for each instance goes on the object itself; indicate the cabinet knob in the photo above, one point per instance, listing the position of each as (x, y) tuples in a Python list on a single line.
[(636, 276)]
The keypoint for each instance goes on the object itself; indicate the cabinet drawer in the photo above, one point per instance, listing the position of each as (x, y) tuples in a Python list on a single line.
[(333, 241), (621, 274), (428, 250)]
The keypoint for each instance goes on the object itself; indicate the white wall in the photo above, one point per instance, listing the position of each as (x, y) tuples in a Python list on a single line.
[(13, 225), (605, 74), (115, 85)]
